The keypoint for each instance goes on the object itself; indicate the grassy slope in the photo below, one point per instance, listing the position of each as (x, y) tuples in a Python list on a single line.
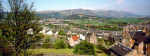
[(62, 51)]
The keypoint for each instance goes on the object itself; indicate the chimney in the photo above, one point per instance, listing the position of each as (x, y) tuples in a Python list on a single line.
[(147, 32), (137, 28), (144, 29), (130, 29)]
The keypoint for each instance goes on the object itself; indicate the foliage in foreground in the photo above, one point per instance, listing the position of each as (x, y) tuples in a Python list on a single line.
[(84, 48), (18, 21)]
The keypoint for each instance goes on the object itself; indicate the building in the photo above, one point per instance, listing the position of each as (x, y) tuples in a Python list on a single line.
[(49, 32), (118, 49), (91, 38), (120, 40), (73, 40), (137, 40), (115, 34)]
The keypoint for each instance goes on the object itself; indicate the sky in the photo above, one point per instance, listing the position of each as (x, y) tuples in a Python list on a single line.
[(140, 7)]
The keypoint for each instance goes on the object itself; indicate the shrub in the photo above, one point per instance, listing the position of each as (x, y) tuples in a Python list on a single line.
[(47, 40), (32, 46), (59, 45), (84, 48), (69, 46), (45, 45), (61, 32)]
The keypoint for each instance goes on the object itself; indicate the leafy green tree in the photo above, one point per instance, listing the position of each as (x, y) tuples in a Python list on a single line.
[(1, 11), (46, 43), (84, 48), (32, 46), (19, 20), (4, 45), (61, 32), (47, 40), (59, 44)]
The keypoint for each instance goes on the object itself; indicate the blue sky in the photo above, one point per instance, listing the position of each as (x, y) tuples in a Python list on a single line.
[(141, 7)]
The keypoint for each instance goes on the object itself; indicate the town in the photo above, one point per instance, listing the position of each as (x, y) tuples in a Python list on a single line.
[(72, 32)]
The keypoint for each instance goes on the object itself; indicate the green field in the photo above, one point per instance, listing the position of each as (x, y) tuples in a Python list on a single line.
[(93, 22), (62, 51), (107, 22), (125, 20)]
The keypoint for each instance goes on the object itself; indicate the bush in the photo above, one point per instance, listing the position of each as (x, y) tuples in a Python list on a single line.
[(84, 48), (45, 45), (47, 40), (32, 46), (59, 45), (69, 46), (108, 42), (61, 32)]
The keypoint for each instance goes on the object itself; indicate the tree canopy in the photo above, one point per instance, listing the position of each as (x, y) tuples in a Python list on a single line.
[(84, 48), (61, 32), (19, 20)]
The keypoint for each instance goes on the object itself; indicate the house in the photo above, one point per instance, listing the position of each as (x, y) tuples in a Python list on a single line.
[(104, 35), (115, 34), (56, 33), (118, 49), (74, 40), (74, 32), (68, 32), (49, 32), (87, 24), (82, 37), (120, 40), (101, 22), (91, 38), (87, 37), (30, 31), (137, 40), (44, 30), (147, 47)]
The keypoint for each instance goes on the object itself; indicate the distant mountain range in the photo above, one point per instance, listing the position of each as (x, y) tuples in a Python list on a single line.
[(97, 13)]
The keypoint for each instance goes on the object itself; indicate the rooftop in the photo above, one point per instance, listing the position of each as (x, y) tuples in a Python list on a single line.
[(120, 49), (75, 38)]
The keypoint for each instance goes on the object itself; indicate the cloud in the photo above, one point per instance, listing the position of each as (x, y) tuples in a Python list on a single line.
[(120, 1), (111, 0)]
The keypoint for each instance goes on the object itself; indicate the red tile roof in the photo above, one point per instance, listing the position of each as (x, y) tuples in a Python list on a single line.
[(75, 38)]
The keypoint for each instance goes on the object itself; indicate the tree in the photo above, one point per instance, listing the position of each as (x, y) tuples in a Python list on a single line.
[(47, 40), (46, 43), (20, 19), (61, 32), (1, 11), (84, 48), (4, 47), (59, 44)]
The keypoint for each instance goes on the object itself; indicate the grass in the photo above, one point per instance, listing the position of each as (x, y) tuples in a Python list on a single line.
[(101, 52), (59, 51), (93, 22), (63, 51), (125, 20), (71, 26)]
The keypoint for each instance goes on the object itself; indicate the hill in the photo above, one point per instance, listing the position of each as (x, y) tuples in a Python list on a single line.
[(98, 13), (81, 17), (111, 13)]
